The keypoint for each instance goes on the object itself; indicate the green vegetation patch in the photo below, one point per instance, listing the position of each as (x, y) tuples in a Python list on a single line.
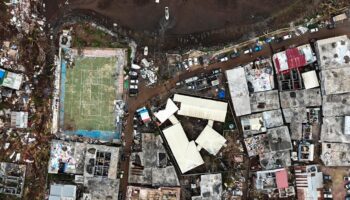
[(89, 95)]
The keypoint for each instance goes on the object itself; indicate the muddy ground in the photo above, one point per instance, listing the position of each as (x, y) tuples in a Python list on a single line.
[(192, 22)]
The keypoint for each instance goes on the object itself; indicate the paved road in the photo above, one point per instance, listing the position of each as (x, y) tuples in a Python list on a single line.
[(148, 93)]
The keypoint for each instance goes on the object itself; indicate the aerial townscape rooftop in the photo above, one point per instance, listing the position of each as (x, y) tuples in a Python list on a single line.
[(174, 100)]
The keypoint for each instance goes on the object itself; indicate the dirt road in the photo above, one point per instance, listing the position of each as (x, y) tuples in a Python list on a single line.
[(148, 93)]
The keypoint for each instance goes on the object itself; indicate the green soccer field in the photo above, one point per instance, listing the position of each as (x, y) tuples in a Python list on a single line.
[(89, 94)]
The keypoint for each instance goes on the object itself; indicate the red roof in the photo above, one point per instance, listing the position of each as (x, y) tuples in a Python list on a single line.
[(282, 179), (295, 58)]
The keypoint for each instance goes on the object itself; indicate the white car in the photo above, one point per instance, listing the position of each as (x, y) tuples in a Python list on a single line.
[(185, 65), (190, 62), (145, 51), (287, 37), (248, 51), (134, 87), (195, 61), (224, 59), (134, 81), (166, 13), (313, 30)]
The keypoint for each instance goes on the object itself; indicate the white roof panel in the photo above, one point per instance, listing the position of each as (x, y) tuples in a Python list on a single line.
[(211, 140), (201, 108), (310, 79), (169, 110), (186, 154)]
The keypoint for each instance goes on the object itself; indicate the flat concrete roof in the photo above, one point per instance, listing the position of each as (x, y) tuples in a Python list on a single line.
[(335, 154), (239, 92), (264, 101), (279, 139), (310, 79), (333, 52), (301, 98), (336, 105), (335, 81), (333, 130)]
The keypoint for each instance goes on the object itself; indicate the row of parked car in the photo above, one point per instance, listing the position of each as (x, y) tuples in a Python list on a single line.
[(133, 83), (188, 63)]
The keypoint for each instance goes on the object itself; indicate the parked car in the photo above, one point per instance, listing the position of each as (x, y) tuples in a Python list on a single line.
[(327, 177), (346, 178), (145, 51), (184, 64), (133, 73), (248, 51), (270, 39), (134, 81), (190, 62), (257, 48), (167, 15), (313, 30), (330, 26), (234, 55), (190, 87), (347, 186), (224, 59), (216, 71), (287, 37), (327, 195), (134, 87)]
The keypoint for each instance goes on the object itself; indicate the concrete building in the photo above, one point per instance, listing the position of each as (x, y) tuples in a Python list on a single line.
[(264, 101), (150, 166), (271, 180), (60, 192), (301, 98), (260, 76), (10, 79), (335, 154), (333, 52), (279, 139), (309, 182), (19, 119), (335, 129), (95, 166), (12, 179), (239, 92), (211, 187), (336, 105), (143, 193), (293, 58), (260, 122)]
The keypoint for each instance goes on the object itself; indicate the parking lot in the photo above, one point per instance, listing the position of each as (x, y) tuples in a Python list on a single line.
[(337, 184)]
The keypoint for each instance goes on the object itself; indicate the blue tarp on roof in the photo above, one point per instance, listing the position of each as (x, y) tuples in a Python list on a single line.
[(2, 73), (221, 94)]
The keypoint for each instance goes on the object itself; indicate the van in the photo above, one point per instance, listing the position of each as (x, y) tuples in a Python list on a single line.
[(313, 30), (287, 37), (247, 51), (134, 81), (224, 59)]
